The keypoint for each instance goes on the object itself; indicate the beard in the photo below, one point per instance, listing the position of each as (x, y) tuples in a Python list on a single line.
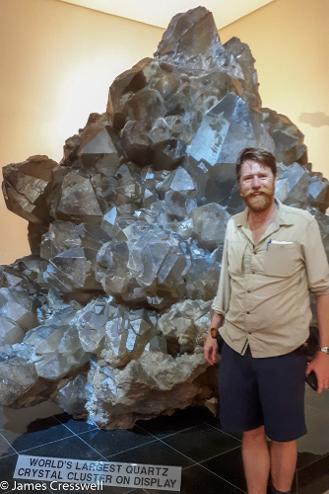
[(259, 200)]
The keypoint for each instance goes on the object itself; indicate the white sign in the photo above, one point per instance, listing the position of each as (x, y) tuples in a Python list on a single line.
[(117, 474)]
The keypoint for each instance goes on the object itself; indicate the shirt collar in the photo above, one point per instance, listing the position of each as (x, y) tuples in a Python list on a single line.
[(280, 218)]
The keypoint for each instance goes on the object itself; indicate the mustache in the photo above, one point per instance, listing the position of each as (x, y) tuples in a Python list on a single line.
[(261, 190)]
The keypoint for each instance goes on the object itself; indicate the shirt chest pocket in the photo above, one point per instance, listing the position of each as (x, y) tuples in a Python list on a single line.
[(282, 259)]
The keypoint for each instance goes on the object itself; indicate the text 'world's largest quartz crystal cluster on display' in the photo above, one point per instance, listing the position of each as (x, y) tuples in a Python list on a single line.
[(108, 315)]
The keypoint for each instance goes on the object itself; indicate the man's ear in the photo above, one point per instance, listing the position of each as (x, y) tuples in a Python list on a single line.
[(238, 183)]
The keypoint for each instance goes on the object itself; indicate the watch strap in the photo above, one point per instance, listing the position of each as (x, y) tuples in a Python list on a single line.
[(213, 333)]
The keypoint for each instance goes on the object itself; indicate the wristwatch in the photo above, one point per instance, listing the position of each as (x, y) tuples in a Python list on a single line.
[(323, 349), (213, 333)]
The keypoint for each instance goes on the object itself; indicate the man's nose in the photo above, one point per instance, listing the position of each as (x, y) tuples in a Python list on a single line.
[(255, 182)]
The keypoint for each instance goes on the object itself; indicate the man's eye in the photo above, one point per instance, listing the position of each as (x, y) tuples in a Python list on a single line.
[(262, 179)]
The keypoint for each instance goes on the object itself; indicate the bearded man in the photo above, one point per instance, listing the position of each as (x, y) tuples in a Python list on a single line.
[(273, 258)]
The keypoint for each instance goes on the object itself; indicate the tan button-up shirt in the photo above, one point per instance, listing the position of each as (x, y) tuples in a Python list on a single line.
[(263, 289)]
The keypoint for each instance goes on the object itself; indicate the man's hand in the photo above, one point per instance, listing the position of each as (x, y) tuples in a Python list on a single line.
[(210, 350), (320, 365)]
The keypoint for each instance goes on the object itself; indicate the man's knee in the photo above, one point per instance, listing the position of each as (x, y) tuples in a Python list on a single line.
[(284, 445), (253, 435)]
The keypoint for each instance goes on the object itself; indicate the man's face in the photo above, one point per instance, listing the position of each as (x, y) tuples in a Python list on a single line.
[(257, 185)]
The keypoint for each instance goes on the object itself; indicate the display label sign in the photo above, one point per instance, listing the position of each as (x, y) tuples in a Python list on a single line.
[(100, 473)]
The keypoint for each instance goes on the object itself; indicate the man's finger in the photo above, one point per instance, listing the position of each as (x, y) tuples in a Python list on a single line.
[(308, 370), (211, 355), (207, 355), (322, 386)]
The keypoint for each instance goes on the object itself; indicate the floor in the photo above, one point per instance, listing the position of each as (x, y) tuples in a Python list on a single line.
[(192, 439)]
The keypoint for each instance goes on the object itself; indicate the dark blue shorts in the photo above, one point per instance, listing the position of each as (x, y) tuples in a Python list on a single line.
[(262, 391)]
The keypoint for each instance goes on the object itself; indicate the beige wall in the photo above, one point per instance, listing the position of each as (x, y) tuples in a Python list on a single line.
[(290, 41), (57, 62)]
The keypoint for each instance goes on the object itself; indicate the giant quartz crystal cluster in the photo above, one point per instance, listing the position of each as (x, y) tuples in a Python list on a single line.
[(108, 315)]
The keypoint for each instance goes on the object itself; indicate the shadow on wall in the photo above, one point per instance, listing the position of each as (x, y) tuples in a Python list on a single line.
[(317, 119)]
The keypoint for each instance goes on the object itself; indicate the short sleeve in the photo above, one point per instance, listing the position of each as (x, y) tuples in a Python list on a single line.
[(222, 299), (315, 258)]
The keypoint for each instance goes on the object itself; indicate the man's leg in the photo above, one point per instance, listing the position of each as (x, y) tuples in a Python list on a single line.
[(281, 384), (283, 464), (256, 460)]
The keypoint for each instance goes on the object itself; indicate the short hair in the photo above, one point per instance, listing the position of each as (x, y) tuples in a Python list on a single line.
[(256, 154)]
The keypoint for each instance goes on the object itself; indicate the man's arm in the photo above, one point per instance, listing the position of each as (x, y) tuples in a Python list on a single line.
[(210, 348), (318, 278), (219, 306), (320, 363)]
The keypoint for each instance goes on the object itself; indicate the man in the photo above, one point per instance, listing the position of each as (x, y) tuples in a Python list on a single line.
[(273, 257)]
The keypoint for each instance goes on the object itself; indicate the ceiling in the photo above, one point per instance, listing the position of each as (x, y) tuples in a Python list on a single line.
[(159, 13)]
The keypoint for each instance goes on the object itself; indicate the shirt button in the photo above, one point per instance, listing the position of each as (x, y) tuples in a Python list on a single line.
[(248, 312), (252, 272), (249, 332), (248, 291)]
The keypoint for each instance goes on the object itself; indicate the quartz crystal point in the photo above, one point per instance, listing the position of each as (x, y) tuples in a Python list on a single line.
[(108, 316), (151, 258), (241, 65), (158, 259), (19, 299), (18, 378), (182, 44), (55, 350), (296, 181), (182, 325), (96, 142), (209, 225), (123, 86), (91, 323), (126, 335), (288, 139), (72, 395), (26, 187), (78, 201), (71, 271), (216, 139), (318, 192)]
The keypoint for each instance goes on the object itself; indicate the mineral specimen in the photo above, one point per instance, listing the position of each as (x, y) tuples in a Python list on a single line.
[(108, 315)]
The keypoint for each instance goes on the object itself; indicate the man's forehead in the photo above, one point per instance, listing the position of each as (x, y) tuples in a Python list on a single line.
[(251, 166)]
